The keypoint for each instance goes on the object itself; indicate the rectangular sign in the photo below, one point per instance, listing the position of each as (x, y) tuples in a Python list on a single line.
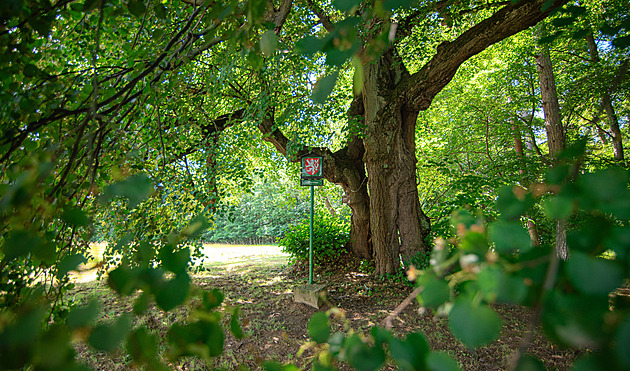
[(312, 167), (311, 182)]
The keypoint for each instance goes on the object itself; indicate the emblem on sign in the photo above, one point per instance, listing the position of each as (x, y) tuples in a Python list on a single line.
[(312, 167)]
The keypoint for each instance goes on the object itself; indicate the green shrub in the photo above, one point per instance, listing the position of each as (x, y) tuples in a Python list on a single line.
[(330, 236)]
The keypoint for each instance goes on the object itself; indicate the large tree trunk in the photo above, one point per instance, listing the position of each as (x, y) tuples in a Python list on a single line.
[(397, 223)]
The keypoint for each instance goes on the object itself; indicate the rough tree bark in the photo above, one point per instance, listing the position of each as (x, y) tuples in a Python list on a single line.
[(553, 126), (397, 222)]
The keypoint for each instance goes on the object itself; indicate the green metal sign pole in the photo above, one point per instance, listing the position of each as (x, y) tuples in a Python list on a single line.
[(310, 246)]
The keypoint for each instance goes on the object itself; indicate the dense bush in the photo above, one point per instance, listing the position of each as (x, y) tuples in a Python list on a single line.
[(330, 236)]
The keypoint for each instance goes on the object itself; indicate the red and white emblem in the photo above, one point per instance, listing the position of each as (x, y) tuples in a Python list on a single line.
[(311, 166)]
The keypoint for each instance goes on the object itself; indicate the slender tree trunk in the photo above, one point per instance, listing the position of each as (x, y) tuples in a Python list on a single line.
[(555, 131), (611, 115), (518, 148), (551, 107)]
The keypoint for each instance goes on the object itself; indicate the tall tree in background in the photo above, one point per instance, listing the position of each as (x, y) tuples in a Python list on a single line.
[(606, 100), (553, 125)]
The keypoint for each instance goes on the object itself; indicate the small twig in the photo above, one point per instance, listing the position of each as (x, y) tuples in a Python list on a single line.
[(387, 322)]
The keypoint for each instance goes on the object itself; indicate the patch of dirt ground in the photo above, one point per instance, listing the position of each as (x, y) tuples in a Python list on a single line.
[(276, 327)]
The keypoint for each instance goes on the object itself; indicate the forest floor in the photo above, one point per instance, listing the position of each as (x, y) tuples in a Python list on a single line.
[(260, 282)]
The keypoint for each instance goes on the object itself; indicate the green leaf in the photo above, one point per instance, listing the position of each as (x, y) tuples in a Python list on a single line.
[(74, 216), (158, 34), (527, 363), (562, 22), (346, 5), (141, 304), (605, 185), (474, 325), (441, 361), (357, 77), (173, 292), (142, 346), (196, 227), (135, 188), (380, 335), (513, 202), (337, 57), (208, 333), (54, 351), (123, 280), (69, 263), (160, 10), (582, 328), (580, 34), (268, 43), (497, 286), (558, 207), (84, 316), (42, 24), (309, 45), (621, 42), (90, 5), (362, 357), (212, 299), (25, 328), (30, 70), (336, 341), (175, 262), (435, 293), (622, 343), (235, 326), (137, 8), (411, 353), (324, 87), (277, 366), (591, 362), (20, 243), (107, 338), (255, 10), (145, 252), (318, 327), (46, 252), (509, 237), (11, 8), (593, 276), (546, 5)]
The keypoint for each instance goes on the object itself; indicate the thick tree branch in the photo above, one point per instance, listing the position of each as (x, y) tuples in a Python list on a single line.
[(324, 19), (278, 16), (420, 88)]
